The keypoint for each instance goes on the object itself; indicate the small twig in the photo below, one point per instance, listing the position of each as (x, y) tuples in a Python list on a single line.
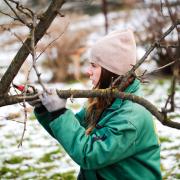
[(173, 91), (6, 14), (166, 103), (33, 53), (25, 123), (159, 69), (161, 7), (168, 46), (15, 121), (170, 99), (17, 36), (60, 14), (118, 79), (22, 20), (172, 19), (142, 77), (21, 8), (53, 41)]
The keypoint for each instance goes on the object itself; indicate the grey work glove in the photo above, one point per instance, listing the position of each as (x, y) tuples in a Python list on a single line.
[(52, 101)]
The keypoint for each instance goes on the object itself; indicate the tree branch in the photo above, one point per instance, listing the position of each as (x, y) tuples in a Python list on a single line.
[(23, 52), (8, 100)]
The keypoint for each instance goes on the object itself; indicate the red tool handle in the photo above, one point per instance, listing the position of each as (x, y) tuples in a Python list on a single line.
[(19, 87)]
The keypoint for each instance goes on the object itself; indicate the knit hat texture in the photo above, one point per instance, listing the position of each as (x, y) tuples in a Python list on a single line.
[(115, 52)]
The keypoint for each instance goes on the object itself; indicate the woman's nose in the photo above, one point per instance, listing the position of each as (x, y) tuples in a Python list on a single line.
[(89, 72)]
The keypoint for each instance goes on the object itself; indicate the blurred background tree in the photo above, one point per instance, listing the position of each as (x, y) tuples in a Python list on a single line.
[(156, 23)]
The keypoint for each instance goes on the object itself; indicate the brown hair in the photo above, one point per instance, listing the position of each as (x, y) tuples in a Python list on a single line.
[(97, 105)]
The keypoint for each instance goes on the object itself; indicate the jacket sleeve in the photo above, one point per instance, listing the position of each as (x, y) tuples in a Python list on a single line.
[(44, 118), (107, 145)]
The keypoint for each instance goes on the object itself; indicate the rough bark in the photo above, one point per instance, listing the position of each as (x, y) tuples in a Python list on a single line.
[(100, 93)]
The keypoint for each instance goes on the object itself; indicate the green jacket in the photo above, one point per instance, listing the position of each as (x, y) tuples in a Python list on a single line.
[(123, 146)]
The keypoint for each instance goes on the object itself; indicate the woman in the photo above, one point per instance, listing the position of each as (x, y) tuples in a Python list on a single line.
[(110, 138)]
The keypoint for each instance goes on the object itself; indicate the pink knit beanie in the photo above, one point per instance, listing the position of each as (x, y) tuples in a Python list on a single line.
[(115, 52)]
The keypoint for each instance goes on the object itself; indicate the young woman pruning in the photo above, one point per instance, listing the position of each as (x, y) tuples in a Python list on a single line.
[(109, 138)]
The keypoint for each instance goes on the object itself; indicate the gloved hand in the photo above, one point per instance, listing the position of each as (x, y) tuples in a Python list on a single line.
[(52, 101)]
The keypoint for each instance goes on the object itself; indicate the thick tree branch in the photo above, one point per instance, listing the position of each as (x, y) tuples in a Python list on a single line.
[(99, 93), (23, 52)]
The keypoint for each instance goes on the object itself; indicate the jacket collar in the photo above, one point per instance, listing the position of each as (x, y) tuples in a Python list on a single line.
[(133, 88)]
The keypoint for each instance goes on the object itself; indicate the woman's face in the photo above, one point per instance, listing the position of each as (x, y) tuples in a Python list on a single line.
[(94, 72)]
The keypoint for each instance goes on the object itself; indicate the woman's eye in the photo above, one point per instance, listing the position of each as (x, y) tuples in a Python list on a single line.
[(93, 65)]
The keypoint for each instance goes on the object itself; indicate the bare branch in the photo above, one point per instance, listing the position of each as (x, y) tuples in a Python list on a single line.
[(22, 20), (34, 53), (172, 19), (170, 99), (160, 68), (25, 123), (99, 93), (168, 46), (23, 9), (14, 34), (54, 40), (6, 14), (152, 47), (23, 52)]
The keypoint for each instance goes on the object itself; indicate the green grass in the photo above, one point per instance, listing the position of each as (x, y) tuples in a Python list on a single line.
[(14, 160), (64, 176), (48, 157), (4, 170), (32, 117), (164, 139), (168, 173), (8, 173), (177, 176)]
